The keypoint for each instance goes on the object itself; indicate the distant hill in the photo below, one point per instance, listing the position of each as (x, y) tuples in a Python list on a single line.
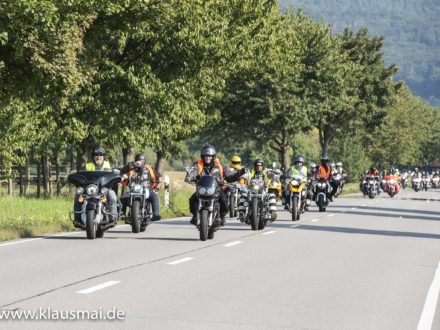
[(411, 29)]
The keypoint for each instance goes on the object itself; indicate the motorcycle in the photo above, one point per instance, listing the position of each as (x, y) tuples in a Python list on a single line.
[(321, 189), (259, 206), (425, 183), (391, 186), (403, 180), (435, 181), (337, 178), (370, 186), (296, 196), (416, 183), (140, 212), (233, 196), (208, 211), (92, 190), (275, 182)]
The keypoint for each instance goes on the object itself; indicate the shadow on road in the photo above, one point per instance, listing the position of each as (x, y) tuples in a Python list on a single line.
[(347, 230)]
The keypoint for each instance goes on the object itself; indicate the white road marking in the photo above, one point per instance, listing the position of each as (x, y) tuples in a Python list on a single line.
[(294, 226), (269, 232), (232, 243), (331, 215), (354, 208), (180, 261), (314, 220), (98, 287), (363, 205), (425, 322)]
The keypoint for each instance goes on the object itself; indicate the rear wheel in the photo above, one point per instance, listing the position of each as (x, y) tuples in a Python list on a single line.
[(254, 215), (135, 217), (90, 224), (204, 225)]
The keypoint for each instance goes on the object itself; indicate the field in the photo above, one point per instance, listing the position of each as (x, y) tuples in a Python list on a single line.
[(29, 217)]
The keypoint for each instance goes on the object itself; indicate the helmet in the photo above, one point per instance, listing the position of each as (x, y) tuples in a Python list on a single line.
[(208, 150), (139, 157), (258, 161), (332, 164), (324, 158), (99, 151), (416, 169), (338, 164), (236, 159), (298, 159), (312, 165)]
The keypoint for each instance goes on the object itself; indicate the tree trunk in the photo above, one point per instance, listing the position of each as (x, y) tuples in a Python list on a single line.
[(128, 155), (21, 179), (28, 176), (71, 154), (82, 153), (58, 173), (160, 161), (285, 157), (10, 183), (44, 170), (38, 180)]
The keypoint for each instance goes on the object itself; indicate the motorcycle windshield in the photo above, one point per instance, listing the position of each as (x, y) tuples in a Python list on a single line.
[(83, 178), (207, 182)]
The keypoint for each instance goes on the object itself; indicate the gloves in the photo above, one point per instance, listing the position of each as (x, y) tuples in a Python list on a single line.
[(242, 171)]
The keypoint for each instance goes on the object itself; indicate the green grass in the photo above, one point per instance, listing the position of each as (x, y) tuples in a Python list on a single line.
[(29, 217), (350, 188)]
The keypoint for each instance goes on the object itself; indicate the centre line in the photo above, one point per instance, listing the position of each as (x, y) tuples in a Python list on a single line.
[(176, 262), (98, 287), (269, 232), (428, 313), (232, 243)]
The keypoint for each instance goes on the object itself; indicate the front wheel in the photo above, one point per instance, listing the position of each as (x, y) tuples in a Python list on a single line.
[(91, 224), (254, 214), (295, 211), (232, 207), (135, 221), (321, 203), (204, 228)]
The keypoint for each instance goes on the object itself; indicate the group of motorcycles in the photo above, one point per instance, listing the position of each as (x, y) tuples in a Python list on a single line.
[(255, 203), (373, 185), (92, 192)]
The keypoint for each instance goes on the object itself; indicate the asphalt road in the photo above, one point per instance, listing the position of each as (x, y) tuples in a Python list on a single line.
[(362, 264)]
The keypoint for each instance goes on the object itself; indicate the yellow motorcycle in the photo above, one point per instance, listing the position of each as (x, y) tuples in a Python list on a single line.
[(274, 185), (296, 195)]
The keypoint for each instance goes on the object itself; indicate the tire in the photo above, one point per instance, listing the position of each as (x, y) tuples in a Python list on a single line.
[(295, 212), (135, 215), (232, 207), (90, 224), (204, 227), (321, 203), (99, 232), (211, 232), (254, 215)]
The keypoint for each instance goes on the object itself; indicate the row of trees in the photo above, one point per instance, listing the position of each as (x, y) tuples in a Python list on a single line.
[(127, 74)]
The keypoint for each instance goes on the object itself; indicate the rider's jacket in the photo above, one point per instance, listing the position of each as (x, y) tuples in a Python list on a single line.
[(93, 167)]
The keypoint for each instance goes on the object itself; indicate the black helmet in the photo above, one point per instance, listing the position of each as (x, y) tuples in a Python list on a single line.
[(372, 168), (298, 159), (208, 150), (99, 151), (140, 156), (258, 161)]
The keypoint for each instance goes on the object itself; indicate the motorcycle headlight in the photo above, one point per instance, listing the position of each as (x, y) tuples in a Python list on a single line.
[(104, 191), (202, 190), (210, 191), (383, 181), (137, 188), (256, 187), (80, 190), (294, 183), (391, 182), (92, 189), (321, 185), (371, 182)]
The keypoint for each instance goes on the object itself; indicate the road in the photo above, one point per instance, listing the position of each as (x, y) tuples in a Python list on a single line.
[(362, 264)]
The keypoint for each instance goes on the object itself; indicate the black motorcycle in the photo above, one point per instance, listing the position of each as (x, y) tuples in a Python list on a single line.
[(321, 187), (92, 190), (140, 211)]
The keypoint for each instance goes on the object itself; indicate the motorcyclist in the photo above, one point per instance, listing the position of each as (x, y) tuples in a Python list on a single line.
[(298, 169), (140, 168), (416, 173), (324, 171), (209, 164), (259, 172), (343, 174), (99, 163), (236, 165)]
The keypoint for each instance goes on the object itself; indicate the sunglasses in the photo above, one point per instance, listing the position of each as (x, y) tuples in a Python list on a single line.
[(236, 163), (99, 155)]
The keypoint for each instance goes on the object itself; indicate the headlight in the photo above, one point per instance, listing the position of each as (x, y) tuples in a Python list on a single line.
[(137, 188), (370, 182), (92, 189), (79, 190), (256, 187), (392, 182), (383, 181), (104, 191), (202, 190), (294, 183), (321, 185), (210, 191)]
